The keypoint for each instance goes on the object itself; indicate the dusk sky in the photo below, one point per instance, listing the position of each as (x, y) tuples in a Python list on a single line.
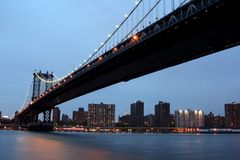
[(57, 35)]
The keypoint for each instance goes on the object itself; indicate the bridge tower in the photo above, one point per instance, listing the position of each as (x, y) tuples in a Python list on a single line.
[(47, 113), (36, 93)]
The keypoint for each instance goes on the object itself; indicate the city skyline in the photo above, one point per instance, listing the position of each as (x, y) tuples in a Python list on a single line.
[(128, 109), (206, 83), (103, 115), (82, 110)]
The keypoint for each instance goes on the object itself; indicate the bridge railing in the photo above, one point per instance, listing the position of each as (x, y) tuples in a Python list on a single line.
[(143, 15), (178, 15)]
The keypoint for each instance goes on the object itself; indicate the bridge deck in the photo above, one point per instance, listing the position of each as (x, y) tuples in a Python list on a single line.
[(202, 32)]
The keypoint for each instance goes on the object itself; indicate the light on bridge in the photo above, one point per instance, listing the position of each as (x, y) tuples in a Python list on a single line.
[(100, 58), (135, 38), (115, 49)]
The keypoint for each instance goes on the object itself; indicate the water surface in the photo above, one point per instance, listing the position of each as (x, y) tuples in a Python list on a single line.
[(105, 146)]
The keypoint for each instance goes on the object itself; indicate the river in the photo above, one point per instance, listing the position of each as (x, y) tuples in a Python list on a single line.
[(22, 145)]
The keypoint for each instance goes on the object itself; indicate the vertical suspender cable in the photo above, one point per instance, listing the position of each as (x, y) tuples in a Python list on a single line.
[(164, 7), (143, 8), (173, 5), (149, 8)]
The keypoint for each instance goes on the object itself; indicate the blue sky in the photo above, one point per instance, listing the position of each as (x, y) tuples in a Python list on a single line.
[(57, 35)]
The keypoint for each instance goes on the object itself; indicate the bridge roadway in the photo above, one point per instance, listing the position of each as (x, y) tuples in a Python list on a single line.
[(188, 33)]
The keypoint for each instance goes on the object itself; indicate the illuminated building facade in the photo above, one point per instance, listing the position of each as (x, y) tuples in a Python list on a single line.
[(101, 115), (189, 119), (232, 115)]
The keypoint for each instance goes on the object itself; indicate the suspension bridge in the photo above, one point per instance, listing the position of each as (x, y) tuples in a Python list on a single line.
[(155, 35)]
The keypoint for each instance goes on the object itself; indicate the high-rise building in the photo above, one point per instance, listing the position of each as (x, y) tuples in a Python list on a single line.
[(189, 119), (56, 115), (214, 121), (149, 120), (172, 120), (101, 115), (80, 117), (198, 119), (137, 114), (162, 114), (232, 115), (182, 118), (125, 120), (65, 119)]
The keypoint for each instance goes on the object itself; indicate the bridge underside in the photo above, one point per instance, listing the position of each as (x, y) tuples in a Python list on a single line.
[(201, 34)]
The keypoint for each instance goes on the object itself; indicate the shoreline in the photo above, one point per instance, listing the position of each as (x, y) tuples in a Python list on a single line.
[(151, 130), (110, 132), (156, 130)]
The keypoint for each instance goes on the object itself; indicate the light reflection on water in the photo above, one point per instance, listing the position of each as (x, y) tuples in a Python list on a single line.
[(88, 146)]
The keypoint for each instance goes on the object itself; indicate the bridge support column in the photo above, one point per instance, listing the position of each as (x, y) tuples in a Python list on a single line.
[(16, 122), (35, 118), (47, 116)]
